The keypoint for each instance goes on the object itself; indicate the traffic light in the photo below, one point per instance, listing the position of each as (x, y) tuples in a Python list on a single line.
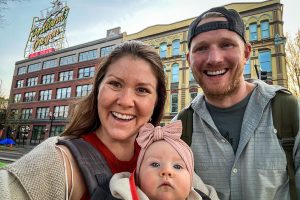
[(263, 75)]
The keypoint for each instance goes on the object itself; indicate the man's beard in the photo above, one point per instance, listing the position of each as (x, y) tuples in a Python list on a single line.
[(224, 90)]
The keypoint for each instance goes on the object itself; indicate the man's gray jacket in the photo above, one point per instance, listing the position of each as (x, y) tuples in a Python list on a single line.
[(258, 170)]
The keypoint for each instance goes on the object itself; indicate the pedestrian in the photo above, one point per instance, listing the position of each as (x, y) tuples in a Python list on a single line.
[(234, 141), (128, 91), (165, 169)]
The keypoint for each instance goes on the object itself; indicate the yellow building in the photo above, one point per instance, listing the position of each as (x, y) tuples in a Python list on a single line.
[(264, 30)]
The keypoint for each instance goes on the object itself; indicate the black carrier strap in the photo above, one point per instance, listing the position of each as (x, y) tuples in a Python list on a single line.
[(186, 117), (204, 196), (286, 121), (93, 167)]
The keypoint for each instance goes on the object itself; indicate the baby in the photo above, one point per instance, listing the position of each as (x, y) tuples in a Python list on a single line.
[(165, 168)]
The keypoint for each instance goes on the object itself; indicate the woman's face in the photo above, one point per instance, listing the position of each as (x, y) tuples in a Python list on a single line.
[(126, 99)]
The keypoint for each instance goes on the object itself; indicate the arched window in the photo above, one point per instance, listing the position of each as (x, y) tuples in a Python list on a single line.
[(175, 47), (253, 32), (265, 29), (163, 50)]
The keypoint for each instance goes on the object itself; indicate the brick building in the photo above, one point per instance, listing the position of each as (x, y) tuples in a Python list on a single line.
[(45, 87)]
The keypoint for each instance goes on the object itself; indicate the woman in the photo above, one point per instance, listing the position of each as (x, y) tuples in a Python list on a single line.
[(129, 90)]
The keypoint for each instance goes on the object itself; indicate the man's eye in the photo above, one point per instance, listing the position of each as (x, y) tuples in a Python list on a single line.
[(227, 45), (154, 164), (201, 48), (178, 166)]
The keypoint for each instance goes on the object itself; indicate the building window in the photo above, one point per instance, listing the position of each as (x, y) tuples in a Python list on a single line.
[(105, 51), (56, 130), (265, 29), (38, 133), (17, 98), (191, 78), (26, 113), (50, 64), (253, 32), (83, 90), (42, 113), (22, 70), (165, 69), (32, 81), (175, 73), (88, 55), (61, 111), (163, 50), (14, 114), (29, 96), (265, 61), (247, 70), (34, 67), (66, 76), (63, 93), (67, 60), (193, 95), (49, 78), (86, 72), (20, 83), (174, 103), (175, 47), (45, 95)]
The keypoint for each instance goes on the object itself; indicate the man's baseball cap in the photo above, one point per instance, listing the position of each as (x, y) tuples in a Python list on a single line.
[(234, 23)]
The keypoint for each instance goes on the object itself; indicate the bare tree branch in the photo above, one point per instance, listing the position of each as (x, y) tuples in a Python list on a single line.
[(292, 49)]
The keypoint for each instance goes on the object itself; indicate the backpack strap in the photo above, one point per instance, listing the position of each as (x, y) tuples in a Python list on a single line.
[(92, 165), (203, 195), (286, 121), (186, 117)]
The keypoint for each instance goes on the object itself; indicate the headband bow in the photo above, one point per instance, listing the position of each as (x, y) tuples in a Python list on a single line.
[(149, 134)]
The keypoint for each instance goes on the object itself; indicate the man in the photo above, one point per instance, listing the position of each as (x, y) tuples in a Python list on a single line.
[(234, 141)]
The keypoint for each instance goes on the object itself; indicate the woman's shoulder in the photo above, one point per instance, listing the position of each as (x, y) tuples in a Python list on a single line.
[(41, 166)]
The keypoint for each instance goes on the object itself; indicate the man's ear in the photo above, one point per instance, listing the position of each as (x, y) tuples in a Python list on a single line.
[(188, 57), (248, 49)]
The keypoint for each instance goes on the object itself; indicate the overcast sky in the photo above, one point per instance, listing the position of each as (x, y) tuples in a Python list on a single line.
[(88, 20)]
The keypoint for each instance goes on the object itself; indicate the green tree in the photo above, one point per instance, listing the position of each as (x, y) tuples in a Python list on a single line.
[(292, 49)]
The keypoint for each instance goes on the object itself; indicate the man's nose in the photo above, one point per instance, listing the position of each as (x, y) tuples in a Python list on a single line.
[(215, 56)]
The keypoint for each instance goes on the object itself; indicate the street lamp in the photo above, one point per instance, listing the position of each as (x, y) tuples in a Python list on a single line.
[(25, 131), (51, 117), (256, 66)]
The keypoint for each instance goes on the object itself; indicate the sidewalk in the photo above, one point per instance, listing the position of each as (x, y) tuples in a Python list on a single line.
[(11, 154), (17, 148)]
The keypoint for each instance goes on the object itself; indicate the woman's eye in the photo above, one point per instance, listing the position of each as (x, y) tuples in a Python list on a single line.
[(115, 84), (178, 166), (154, 164), (142, 90)]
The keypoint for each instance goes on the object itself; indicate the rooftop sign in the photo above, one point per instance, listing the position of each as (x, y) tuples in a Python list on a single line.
[(47, 32)]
